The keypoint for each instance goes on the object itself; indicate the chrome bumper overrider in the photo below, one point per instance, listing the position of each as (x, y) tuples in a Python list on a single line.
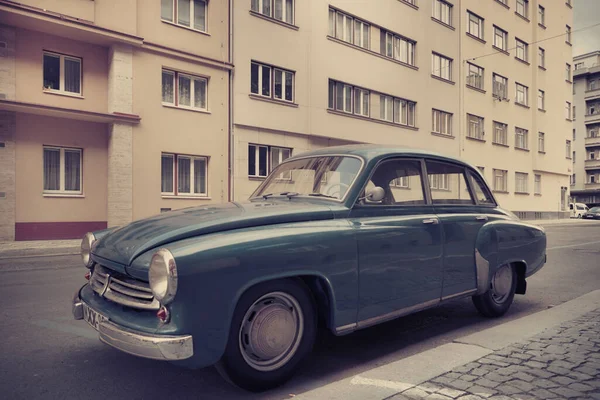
[(158, 347)]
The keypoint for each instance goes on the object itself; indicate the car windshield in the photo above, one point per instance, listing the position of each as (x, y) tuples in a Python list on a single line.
[(325, 176), (595, 209)]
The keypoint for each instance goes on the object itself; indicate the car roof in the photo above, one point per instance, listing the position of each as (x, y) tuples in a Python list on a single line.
[(371, 152)]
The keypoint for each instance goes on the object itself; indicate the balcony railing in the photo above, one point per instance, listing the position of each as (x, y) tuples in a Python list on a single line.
[(593, 117), (592, 164), (593, 186), (592, 141), (592, 93)]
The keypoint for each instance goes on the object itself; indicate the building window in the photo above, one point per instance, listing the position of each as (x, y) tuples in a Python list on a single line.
[(183, 90), (574, 157), (475, 127), (183, 175), (541, 99), (523, 8), (281, 10), (574, 108), (568, 148), (537, 184), (542, 57), (541, 15), (273, 82), (522, 95), (441, 66), (541, 142), (500, 133), (62, 170), (475, 76), (401, 182), (521, 182), (500, 180), (348, 29), (568, 36), (593, 84), (568, 72), (397, 110), (521, 139), (475, 26), (442, 11), (398, 48), (361, 102), (349, 99), (441, 122), (263, 159), (188, 13), (522, 50), (574, 134), (62, 73), (500, 38), (573, 180), (567, 110), (500, 89)]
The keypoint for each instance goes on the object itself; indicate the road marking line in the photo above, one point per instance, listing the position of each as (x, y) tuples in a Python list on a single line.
[(572, 245), (83, 331), (399, 386)]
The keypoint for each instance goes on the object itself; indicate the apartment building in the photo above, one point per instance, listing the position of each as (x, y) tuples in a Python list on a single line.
[(110, 114), (585, 181), (488, 81)]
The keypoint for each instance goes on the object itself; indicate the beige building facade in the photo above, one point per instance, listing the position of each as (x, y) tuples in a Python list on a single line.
[(585, 182)]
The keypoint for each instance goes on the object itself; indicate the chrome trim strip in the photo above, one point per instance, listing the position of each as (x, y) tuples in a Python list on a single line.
[(345, 329), (483, 273), (465, 293), (396, 314), (77, 307)]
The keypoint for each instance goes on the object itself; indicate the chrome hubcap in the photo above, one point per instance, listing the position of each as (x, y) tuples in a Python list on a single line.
[(271, 331), (501, 284)]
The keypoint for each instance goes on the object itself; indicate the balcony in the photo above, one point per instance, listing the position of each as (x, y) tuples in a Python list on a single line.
[(592, 94), (593, 118), (592, 164), (592, 141), (592, 186)]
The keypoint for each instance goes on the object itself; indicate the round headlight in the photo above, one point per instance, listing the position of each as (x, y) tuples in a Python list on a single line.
[(163, 276), (86, 249)]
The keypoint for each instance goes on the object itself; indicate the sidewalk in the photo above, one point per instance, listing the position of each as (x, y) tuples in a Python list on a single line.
[(39, 248), (553, 354), (563, 221)]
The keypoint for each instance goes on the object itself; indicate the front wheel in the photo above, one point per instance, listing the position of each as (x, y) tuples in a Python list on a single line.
[(273, 328), (497, 300)]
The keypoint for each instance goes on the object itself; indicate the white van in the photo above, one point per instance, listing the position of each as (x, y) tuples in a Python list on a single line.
[(577, 209)]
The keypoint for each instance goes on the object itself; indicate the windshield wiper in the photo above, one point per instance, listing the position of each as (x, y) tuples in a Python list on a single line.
[(288, 194), (322, 195)]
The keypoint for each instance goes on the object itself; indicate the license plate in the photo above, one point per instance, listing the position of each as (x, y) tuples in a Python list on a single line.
[(93, 317)]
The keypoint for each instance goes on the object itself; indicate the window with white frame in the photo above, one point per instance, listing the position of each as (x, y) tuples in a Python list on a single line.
[(62, 170), (568, 34), (475, 27), (521, 139), (62, 73), (398, 111), (263, 159), (541, 99), (188, 13), (475, 76), (281, 10), (567, 110), (349, 29), (541, 57), (500, 180), (541, 15), (521, 181), (349, 99), (500, 38), (522, 95), (541, 142), (401, 182), (523, 8), (184, 90), (183, 175), (593, 84), (500, 133), (574, 109), (361, 102), (568, 148), (273, 82), (438, 182), (441, 66), (397, 47), (500, 87), (475, 127), (442, 11), (441, 122), (522, 50), (568, 72), (537, 184)]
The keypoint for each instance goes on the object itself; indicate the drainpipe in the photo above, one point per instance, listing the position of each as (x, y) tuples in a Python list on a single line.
[(230, 177)]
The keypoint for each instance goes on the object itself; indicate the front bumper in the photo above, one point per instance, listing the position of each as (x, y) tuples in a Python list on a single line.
[(157, 347)]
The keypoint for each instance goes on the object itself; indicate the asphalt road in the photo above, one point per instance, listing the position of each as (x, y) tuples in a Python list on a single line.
[(45, 354)]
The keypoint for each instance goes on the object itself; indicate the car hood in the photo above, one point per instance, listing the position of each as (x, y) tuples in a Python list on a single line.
[(124, 244)]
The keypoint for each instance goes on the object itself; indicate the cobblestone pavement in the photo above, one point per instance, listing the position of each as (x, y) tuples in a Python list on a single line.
[(559, 363)]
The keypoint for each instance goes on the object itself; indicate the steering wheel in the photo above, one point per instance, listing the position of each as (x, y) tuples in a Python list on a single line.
[(337, 193)]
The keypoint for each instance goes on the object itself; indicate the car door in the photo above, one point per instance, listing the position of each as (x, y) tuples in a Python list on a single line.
[(463, 205), (399, 244)]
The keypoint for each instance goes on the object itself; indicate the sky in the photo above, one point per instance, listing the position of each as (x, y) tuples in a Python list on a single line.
[(586, 13)]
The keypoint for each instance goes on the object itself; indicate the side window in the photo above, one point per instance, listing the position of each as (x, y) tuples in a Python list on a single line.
[(401, 181), (447, 183), (481, 191)]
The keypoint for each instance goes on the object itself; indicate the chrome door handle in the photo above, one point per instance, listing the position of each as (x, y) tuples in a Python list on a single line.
[(430, 221), (481, 218)]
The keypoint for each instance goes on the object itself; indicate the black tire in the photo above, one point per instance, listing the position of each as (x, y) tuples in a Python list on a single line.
[(233, 366), (487, 303)]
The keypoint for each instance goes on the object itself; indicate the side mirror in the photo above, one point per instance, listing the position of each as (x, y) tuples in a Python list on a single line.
[(375, 194)]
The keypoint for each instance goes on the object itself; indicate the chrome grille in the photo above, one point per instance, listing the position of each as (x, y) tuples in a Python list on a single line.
[(122, 289)]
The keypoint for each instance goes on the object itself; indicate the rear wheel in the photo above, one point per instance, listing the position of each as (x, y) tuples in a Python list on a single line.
[(273, 329), (497, 300)]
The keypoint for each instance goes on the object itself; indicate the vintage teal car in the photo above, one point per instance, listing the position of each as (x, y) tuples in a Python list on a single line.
[(341, 238)]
